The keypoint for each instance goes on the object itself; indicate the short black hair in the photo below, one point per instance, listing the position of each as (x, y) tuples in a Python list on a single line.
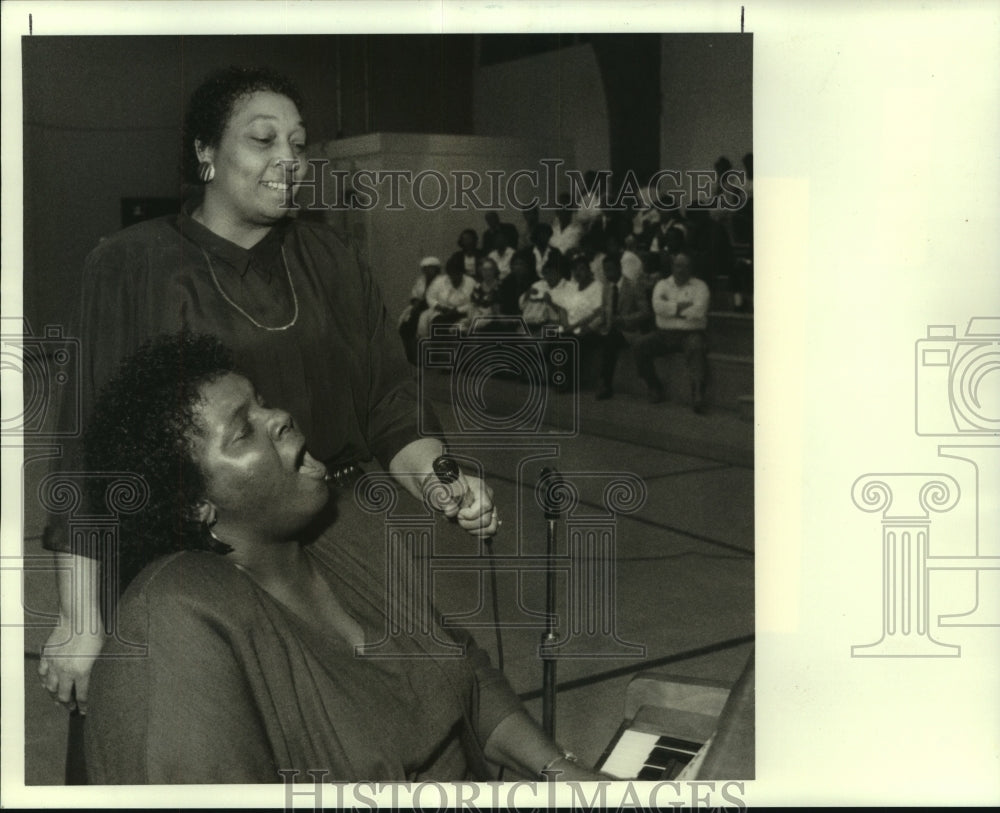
[(212, 103), (143, 422)]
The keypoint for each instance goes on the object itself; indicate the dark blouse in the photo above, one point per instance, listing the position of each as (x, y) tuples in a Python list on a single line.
[(336, 368), (235, 687)]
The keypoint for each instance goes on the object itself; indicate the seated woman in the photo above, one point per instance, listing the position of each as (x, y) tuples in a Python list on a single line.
[(449, 298), (483, 301), (256, 639), (537, 309), (517, 283), (409, 319)]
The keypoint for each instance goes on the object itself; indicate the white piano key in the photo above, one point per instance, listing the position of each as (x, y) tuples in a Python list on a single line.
[(629, 754)]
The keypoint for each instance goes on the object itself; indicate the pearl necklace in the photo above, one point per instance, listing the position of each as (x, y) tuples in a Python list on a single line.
[(295, 299)]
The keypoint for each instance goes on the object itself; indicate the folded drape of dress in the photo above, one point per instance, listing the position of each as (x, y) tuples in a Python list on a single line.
[(235, 687)]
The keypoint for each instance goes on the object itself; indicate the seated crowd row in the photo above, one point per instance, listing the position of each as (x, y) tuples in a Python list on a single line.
[(607, 299)]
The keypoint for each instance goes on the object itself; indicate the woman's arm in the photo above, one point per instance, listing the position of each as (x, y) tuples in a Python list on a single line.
[(471, 498), (70, 651), (519, 743)]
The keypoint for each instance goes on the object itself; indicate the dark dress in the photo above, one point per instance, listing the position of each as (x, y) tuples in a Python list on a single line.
[(235, 687), (339, 369), (331, 359)]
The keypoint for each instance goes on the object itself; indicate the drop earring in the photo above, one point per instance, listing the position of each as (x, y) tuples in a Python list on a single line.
[(206, 171)]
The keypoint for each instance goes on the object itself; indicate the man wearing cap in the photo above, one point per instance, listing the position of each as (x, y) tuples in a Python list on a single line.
[(430, 267)]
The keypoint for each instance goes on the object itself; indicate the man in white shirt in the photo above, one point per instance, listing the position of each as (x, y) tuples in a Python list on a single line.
[(579, 301), (680, 306), (502, 252), (579, 304), (449, 298), (631, 262)]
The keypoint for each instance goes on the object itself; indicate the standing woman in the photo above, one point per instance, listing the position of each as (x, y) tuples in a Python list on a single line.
[(304, 319)]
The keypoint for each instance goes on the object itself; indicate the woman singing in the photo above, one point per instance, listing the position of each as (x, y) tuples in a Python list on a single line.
[(258, 643)]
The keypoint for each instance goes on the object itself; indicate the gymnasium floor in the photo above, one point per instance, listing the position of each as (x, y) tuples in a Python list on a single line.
[(683, 595)]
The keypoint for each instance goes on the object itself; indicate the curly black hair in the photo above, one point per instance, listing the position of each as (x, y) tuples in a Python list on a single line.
[(212, 104), (143, 422)]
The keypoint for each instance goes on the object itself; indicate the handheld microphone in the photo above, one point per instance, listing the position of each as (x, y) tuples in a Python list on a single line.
[(446, 469)]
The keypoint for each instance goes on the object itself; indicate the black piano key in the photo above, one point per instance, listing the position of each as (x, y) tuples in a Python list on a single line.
[(678, 744), (650, 772)]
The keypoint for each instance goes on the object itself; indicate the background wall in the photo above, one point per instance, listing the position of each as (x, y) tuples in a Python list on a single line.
[(706, 87), (556, 97), (392, 242), (102, 120)]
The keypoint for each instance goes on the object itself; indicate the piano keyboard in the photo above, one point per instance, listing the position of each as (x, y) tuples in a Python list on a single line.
[(641, 755)]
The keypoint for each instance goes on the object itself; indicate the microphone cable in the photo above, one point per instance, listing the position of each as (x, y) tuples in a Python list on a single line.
[(447, 471)]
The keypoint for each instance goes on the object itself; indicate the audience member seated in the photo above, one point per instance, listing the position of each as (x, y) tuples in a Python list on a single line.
[(449, 298), (668, 221), (468, 251), (543, 251), (632, 265), (566, 231), (579, 300), (494, 228), (512, 287), (680, 305), (646, 216), (608, 224), (531, 221), (502, 253), (722, 166), (258, 631), (589, 208), (709, 241), (578, 303), (409, 320), (625, 313), (536, 303), (483, 301)]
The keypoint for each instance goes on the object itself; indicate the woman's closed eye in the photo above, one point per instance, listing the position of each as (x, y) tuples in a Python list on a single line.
[(244, 432)]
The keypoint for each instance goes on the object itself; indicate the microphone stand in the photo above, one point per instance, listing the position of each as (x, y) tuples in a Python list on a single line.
[(552, 482)]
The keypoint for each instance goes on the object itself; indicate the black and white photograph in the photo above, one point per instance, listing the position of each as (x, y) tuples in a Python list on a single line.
[(391, 416)]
